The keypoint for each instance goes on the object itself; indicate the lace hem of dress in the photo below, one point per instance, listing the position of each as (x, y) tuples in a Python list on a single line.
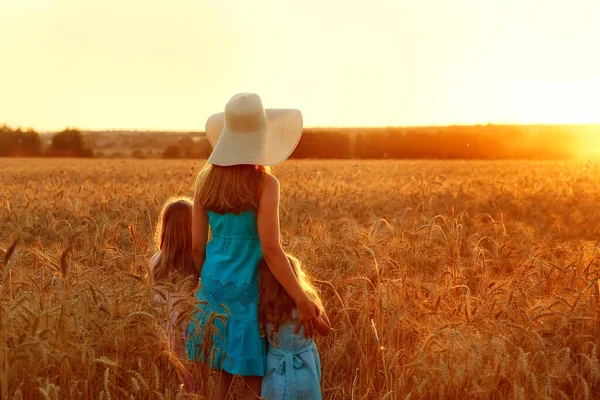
[(229, 292)]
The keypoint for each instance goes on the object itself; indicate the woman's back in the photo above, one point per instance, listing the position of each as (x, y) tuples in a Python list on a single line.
[(229, 288), (229, 273), (233, 226)]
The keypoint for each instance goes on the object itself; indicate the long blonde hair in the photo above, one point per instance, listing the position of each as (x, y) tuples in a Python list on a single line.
[(232, 189), (173, 237), (275, 305)]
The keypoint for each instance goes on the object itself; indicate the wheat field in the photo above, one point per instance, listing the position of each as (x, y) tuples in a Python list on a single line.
[(454, 280)]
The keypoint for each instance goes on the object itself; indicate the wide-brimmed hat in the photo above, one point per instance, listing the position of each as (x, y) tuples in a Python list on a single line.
[(246, 133)]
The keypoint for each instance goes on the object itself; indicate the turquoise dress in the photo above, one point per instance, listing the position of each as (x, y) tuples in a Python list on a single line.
[(228, 299), (293, 366)]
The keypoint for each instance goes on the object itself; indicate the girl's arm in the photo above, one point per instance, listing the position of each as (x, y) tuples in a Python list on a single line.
[(268, 231), (199, 233), (151, 266), (323, 326)]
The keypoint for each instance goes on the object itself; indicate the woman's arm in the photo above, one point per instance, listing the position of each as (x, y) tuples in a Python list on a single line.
[(323, 326), (199, 233), (268, 231)]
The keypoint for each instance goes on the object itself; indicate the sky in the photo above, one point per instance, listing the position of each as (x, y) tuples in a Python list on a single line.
[(168, 65)]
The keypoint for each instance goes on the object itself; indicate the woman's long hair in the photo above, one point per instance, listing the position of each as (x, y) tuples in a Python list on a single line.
[(231, 189), (275, 305), (173, 238)]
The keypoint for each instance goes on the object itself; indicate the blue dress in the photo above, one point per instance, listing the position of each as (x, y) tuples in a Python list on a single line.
[(293, 366), (228, 298)]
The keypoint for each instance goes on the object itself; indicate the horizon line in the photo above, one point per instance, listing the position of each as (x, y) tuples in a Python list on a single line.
[(324, 127)]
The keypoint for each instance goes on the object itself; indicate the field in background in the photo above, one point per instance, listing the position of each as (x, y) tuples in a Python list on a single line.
[(456, 279)]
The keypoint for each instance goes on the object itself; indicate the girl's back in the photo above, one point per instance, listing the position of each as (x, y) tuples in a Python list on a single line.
[(172, 268), (293, 365)]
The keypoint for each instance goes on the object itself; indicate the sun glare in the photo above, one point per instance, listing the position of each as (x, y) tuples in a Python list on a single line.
[(590, 142)]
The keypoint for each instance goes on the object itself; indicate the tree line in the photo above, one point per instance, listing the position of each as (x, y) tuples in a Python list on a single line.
[(455, 142), (28, 143)]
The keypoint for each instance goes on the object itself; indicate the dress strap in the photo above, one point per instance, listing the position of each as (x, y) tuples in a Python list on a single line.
[(289, 362)]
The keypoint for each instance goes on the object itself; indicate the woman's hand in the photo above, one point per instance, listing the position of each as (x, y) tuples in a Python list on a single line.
[(308, 313), (323, 325)]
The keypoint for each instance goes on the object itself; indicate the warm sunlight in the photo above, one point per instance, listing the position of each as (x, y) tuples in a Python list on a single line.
[(590, 143), (552, 103), (165, 65), (432, 229)]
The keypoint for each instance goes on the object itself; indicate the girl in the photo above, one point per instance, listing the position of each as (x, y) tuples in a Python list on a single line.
[(238, 199), (293, 363), (172, 269)]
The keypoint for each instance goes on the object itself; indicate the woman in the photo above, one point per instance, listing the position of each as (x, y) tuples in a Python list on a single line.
[(238, 198)]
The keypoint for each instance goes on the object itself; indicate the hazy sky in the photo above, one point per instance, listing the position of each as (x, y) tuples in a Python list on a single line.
[(148, 64)]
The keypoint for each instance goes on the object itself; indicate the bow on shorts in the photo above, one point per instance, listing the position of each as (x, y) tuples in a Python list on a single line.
[(288, 364)]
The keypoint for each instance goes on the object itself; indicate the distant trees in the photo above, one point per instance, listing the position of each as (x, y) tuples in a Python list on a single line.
[(172, 151), (188, 148), (324, 143), (69, 143), (453, 142), (18, 143), (137, 153)]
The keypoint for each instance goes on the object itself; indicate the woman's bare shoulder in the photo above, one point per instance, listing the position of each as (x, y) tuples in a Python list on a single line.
[(270, 179), (270, 186)]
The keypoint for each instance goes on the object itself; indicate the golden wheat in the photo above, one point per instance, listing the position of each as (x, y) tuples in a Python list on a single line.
[(442, 279)]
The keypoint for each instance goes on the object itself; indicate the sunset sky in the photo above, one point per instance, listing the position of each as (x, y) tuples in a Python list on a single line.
[(147, 64)]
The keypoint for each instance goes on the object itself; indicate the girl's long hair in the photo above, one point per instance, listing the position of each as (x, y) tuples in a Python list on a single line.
[(275, 305), (232, 189), (173, 237)]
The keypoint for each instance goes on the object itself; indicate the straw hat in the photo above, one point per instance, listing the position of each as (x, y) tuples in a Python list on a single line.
[(246, 133)]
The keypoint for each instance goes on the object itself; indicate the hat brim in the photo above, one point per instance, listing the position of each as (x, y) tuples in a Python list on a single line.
[(266, 147)]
